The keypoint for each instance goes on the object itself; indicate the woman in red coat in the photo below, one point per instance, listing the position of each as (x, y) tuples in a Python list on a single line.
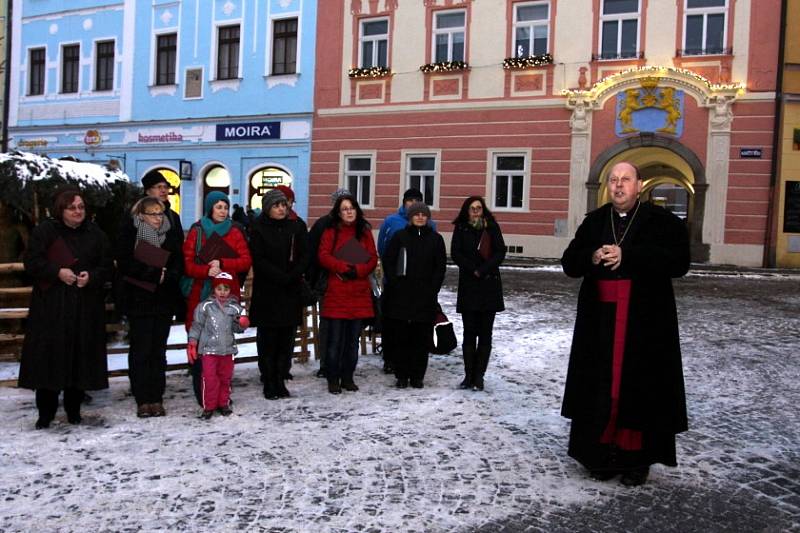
[(216, 220), (347, 253)]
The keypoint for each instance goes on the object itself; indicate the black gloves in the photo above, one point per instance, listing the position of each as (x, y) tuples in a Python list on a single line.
[(350, 273)]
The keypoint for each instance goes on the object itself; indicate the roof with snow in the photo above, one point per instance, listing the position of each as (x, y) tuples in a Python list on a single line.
[(35, 167)]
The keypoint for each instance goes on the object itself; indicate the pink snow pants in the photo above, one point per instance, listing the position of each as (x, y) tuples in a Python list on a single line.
[(217, 373)]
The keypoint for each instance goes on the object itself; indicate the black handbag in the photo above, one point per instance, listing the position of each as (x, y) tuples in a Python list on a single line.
[(444, 338)]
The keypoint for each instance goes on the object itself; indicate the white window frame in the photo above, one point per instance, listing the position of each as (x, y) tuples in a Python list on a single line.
[(114, 79), (406, 171), (619, 18), (215, 49), (375, 39), (61, 47), (491, 185), (344, 181), (705, 11), (154, 57), (449, 32), (28, 51), (531, 25)]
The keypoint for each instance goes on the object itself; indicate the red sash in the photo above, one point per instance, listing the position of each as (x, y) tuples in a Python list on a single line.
[(618, 292)]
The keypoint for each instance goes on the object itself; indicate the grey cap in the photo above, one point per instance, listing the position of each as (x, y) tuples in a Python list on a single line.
[(338, 193), (418, 207), (272, 197)]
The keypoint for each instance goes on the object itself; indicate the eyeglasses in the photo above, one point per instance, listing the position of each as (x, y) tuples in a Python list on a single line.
[(160, 214), (76, 207), (624, 180), (347, 209), (476, 208)]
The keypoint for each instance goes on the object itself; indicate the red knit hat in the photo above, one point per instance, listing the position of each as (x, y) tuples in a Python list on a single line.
[(287, 192), (223, 278)]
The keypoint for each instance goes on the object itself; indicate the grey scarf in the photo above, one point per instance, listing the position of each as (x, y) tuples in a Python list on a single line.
[(146, 232)]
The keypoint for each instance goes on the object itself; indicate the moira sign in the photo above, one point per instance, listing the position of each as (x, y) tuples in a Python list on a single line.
[(249, 131)]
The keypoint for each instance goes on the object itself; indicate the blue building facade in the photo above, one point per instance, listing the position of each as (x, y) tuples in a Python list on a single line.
[(216, 94)]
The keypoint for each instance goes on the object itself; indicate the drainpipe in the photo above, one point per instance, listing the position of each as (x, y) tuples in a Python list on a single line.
[(770, 242), (7, 75)]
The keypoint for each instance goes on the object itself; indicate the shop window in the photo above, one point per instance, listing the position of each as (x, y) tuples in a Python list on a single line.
[(358, 178), (510, 176), (449, 35), (705, 27), (619, 29), (374, 43), (174, 188), (217, 179), (36, 71), (531, 28), (264, 179), (422, 173)]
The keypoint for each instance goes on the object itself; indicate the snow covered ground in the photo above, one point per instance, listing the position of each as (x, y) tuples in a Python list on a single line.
[(435, 459)]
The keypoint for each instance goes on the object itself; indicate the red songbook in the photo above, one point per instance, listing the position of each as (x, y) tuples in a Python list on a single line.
[(215, 247), (352, 252), (59, 254), (150, 255), (485, 245)]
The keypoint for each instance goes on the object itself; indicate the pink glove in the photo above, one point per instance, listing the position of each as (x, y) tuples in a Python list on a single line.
[(191, 351), (244, 322)]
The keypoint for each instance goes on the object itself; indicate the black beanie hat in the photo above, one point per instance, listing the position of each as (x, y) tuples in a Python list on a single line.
[(412, 194), (154, 177)]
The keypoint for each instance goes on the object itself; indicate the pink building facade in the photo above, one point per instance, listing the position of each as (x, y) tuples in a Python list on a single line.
[(529, 103)]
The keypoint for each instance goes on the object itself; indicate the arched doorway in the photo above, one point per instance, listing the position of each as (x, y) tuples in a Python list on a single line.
[(174, 188), (672, 175), (216, 178), (263, 179)]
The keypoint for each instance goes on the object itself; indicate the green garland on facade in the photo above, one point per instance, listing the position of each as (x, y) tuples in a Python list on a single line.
[(444, 66), (369, 72), (519, 63)]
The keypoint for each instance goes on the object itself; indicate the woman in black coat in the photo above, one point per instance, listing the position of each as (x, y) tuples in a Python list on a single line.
[(69, 259), (478, 249), (414, 264), (278, 246), (150, 297)]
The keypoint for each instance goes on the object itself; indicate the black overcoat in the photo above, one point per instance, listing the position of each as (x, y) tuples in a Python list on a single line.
[(65, 338), (280, 257), (485, 291), (167, 299), (415, 296), (655, 250)]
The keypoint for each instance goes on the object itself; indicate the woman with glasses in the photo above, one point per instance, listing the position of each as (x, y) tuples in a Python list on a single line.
[(196, 285), (150, 263), (477, 247), (347, 254), (69, 260)]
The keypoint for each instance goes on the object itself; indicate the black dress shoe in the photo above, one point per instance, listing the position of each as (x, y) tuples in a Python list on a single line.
[(43, 423), (206, 415), (417, 384), (466, 384), (349, 386), (74, 418), (603, 475), (334, 388), (634, 478), (477, 384), (402, 383), (225, 411)]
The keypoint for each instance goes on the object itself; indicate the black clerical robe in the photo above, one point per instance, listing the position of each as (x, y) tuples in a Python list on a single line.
[(649, 400)]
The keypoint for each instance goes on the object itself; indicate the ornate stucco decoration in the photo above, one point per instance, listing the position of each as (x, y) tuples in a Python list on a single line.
[(717, 97)]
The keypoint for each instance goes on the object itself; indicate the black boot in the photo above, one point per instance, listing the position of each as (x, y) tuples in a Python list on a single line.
[(469, 366), (481, 362)]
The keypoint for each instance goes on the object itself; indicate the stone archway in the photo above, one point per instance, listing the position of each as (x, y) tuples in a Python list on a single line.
[(648, 152)]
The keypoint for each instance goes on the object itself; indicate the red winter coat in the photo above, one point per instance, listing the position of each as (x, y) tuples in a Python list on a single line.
[(235, 239), (346, 299)]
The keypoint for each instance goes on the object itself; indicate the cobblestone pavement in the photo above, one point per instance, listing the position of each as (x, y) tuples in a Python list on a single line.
[(436, 459)]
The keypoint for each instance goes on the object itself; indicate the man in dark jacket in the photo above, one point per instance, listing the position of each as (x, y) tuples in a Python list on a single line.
[(624, 391)]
